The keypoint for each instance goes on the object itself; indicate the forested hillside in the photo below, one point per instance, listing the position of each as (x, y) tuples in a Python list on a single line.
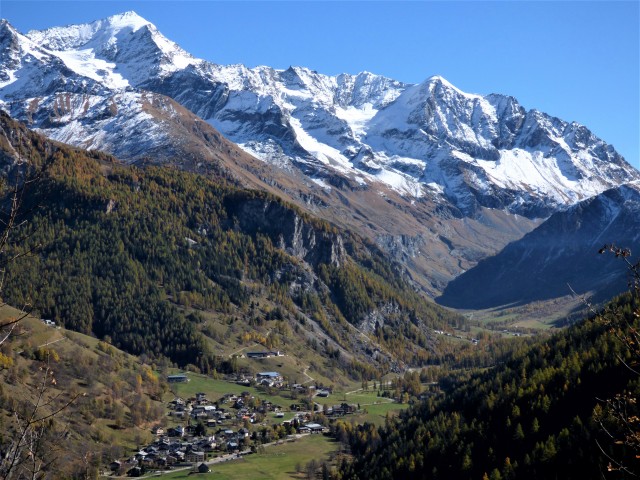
[(541, 412), (70, 403), (132, 254)]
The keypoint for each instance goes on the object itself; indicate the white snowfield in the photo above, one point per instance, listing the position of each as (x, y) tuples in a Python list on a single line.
[(416, 139)]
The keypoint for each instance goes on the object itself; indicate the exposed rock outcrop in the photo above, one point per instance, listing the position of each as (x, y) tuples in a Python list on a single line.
[(289, 231)]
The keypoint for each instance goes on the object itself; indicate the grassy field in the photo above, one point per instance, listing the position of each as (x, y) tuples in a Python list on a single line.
[(540, 315), (367, 398), (376, 407), (217, 388), (376, 414), (275, 463)]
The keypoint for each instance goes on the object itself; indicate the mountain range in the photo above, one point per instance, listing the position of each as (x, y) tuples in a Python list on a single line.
[(438, 178), (559, 256)]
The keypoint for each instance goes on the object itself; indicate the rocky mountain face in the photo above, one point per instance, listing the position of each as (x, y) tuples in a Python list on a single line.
[(419, 140), (438, 177), (559, 256), (289, 230)]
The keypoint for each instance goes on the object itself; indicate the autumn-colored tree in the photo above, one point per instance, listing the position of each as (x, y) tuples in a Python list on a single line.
[(27, 446), (619, 416)]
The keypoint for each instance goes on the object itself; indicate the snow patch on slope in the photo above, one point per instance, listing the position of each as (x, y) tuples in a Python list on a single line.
[(324, 153), (357, 118), (85, 63)]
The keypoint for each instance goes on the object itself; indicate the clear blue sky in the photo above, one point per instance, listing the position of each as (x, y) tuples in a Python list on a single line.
[(578, 60)]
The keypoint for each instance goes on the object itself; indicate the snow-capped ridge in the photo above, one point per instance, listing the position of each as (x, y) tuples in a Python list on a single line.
[(473, 150), (76, 36), (438, 80), (13, 41), (6, 26), (131, 45)]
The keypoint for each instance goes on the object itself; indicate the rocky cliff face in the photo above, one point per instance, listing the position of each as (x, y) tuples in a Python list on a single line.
[(289, 231)]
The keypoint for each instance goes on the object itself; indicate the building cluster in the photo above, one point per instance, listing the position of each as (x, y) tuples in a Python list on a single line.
[(267, 354), (190, 444), (166, 452), (242, 408), (193, 441), (270, 379)]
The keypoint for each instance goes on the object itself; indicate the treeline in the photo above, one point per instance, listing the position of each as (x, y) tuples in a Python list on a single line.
[(116, 251), (538, 414)]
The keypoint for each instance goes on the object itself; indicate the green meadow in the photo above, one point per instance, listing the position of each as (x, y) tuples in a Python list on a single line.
[(276, 462)]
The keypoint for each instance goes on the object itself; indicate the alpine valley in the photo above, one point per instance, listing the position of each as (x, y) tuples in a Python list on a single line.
[(436, 177), (188, 213)]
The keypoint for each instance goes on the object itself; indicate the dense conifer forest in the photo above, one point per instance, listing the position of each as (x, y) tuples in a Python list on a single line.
[(122, 252), (563, 408)]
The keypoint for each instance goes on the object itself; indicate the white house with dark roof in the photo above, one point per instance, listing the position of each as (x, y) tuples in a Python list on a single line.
[(268, 378)]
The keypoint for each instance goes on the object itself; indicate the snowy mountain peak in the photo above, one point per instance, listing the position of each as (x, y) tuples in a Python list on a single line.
[(429, 138), (5, 26), (118, 51), (129, 18), (124, 21), (438, 80), (105, 31), (438, 83), (8, 37), (9, 51), (23, 64)]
